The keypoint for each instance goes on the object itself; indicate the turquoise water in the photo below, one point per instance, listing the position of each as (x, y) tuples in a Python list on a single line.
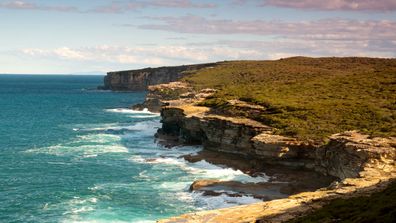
[(69, 153)]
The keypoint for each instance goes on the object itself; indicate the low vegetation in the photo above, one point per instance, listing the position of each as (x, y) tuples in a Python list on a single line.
[(379, 207), (309, 98)]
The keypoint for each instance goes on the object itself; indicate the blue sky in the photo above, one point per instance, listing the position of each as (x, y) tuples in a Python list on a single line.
[(74, 36)]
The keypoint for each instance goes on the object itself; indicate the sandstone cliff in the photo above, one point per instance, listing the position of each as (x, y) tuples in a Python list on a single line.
[(139, 80), (362, 164), (234, 127)]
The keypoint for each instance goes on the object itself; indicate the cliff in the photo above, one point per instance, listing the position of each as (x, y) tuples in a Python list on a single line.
[(363, 164), (331, 116), (344, 156), (139, 80)]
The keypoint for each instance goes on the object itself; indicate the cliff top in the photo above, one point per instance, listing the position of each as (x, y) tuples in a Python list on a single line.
[(308, 98), (149, 69)]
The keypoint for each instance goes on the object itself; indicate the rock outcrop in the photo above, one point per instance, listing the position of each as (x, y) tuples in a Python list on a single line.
[(286, 209), (345, 155), (139, 80), (158, 95), (362, 164)]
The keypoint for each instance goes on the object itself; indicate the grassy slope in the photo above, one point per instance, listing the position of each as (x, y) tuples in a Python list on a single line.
[(379, 207), (310, 98)]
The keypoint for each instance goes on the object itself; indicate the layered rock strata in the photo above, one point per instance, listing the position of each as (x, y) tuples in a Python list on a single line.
[(286, 209), (158, 95), (139, 80), (362, 164), (344, 156)]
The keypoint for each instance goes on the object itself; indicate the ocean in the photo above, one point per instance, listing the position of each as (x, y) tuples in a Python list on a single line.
[(71, 153)]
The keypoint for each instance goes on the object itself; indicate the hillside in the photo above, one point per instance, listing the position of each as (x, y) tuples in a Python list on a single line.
[(308, 98), (378, 207)]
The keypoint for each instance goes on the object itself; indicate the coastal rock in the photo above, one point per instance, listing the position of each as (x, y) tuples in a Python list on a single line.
[(270, 146), (158, 95), (139, 80), (349, 153), (281, 210), (362, 164), (281, 187), (346, 154), (199, 184), (194, 126)]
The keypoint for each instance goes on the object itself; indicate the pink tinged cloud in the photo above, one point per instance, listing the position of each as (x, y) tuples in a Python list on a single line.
[(121, 7), (23, 5), (326, 29), (213, 51), (180, 4), (344, 5), (153, 56)]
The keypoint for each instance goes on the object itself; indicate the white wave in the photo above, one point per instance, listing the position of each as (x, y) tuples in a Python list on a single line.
[(203, 202), (212, 171), (79, 210), (137, 159), (74, 207), (173, 186), (202, 169), (106, 221), (151, 126), (180, 151), (221, 201), (88, 146), (78, 201), (160, 154), (95, 127), (130, 111), (169, 161), (143, 116), (84, 150), (98, 138)]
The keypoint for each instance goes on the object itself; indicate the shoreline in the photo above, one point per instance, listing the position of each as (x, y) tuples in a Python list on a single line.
[(278, 181), (361, 164)]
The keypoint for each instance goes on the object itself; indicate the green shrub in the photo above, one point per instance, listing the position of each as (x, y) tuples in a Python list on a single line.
[(310, 98)]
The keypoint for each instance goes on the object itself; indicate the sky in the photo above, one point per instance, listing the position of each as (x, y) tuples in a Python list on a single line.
[(97, 36)]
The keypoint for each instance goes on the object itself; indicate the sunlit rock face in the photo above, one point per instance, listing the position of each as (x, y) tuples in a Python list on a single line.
[(139, 80)]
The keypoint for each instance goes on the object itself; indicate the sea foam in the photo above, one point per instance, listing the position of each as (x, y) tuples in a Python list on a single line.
[(130, 111)]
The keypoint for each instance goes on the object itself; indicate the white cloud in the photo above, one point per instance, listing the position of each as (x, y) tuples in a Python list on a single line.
[(144, 56), (327, 29), (135, 57), (326, 37), (346, 5)]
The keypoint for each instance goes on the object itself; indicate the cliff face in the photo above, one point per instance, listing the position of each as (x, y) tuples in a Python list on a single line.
[(346, 155), (139, 80), (363, 164), (158, 95)]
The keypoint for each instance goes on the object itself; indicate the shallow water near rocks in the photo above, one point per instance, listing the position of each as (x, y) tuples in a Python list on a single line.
[(69, 153)]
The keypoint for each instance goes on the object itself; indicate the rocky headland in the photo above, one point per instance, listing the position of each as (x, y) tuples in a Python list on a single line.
[(347, 164), (361, 165), (139, 80)]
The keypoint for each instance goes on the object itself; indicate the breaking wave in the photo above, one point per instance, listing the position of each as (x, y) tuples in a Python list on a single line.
[(161, 173)]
